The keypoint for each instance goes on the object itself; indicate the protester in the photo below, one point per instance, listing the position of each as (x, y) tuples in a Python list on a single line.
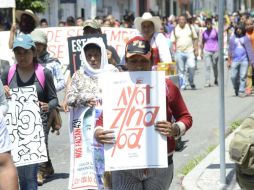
[(70, 21), (27, 22), (138, 54), (84, 90), (149, 27), (44, 23), (250, 34), (8, 172), (240, 53), (61, 23), (186, 40), (25, 54), (92, 27), (79, 21), (52, 64), (210, 53)]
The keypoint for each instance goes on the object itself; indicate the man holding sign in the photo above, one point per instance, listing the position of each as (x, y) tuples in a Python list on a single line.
[(138, 54)]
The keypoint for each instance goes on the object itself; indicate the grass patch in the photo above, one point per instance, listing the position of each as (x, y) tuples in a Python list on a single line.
[(235, 124), (194, 162)]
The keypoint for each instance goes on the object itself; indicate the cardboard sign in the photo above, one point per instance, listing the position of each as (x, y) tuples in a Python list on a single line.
[(25, 128), (139, 101)]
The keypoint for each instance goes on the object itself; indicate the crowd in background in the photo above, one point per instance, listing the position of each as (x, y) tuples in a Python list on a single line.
[(183, 39)]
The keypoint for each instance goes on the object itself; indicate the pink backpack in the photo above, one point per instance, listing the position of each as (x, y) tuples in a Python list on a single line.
[(39, 72)]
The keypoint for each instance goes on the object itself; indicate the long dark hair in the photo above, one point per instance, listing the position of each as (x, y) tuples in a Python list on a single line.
[(240, 26)]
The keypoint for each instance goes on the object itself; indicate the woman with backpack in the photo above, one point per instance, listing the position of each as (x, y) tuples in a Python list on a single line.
[(28, 72)]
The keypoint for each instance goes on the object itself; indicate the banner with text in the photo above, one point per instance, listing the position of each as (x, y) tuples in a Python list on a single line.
[(25, 128), (139, 101), (57, 41)]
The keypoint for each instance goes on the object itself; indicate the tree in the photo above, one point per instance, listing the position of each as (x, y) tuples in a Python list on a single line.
[(37, 6)]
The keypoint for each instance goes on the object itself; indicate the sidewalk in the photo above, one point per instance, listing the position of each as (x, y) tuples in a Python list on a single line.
[(206, 175)]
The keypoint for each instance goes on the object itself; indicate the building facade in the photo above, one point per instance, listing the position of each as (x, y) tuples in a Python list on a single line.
[(59, 10)]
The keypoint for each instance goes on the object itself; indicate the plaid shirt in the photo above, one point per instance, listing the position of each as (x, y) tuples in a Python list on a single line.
[(54, 66)]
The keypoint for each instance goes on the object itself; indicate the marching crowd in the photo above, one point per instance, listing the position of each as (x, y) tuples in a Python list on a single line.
[(183, 39)]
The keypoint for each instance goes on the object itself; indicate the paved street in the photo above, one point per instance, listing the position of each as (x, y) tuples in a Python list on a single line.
[(203, 104)]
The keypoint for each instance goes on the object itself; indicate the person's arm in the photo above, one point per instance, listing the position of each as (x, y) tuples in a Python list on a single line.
[(230, 50), (74, 96), (249, 50), (8, 172), (3, 103), (65, 104), (50, 90), (12, 35), (58, 75), (164, 52), (178, 108), (195, 40), (202, 45)]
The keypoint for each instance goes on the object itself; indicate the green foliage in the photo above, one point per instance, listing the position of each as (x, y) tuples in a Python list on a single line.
[(37, 6), (194, 162), (235, 124)]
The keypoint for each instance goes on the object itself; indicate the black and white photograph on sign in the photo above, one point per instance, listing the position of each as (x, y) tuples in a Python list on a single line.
[(25, 128), (75, 45)]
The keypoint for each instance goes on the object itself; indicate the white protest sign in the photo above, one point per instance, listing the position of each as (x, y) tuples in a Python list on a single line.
[(138, 101), (25, 128), (82, 169)]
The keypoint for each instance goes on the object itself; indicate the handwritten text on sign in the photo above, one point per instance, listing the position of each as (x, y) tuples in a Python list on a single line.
[(139, 101), (133, 105)]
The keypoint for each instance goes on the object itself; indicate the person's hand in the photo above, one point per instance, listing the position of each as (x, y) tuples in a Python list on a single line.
[(44, 106), (91, 102), (229, 63), (104, 136), (65, 106), (7, 91), (166, 128)]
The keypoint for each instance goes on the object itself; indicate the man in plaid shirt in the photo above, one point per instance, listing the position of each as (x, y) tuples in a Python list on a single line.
[(40, 39), (44, 58)]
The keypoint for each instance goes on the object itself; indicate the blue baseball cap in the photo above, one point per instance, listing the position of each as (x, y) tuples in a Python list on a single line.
[(25, 41)]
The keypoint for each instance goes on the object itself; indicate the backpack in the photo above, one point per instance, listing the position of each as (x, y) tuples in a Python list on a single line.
[(39, 72), (241, 147)]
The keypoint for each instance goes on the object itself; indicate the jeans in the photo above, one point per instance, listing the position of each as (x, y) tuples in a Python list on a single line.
[(143, 179), (185, 61), (28, 177), (211, 59), (239, 75)]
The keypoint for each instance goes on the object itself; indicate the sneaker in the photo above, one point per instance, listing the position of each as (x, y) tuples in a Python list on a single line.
[(193, 87), (49, 171), (40, 179), (236, 92), (242, 94), (248, 92), (207, 85), (183, 87)]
